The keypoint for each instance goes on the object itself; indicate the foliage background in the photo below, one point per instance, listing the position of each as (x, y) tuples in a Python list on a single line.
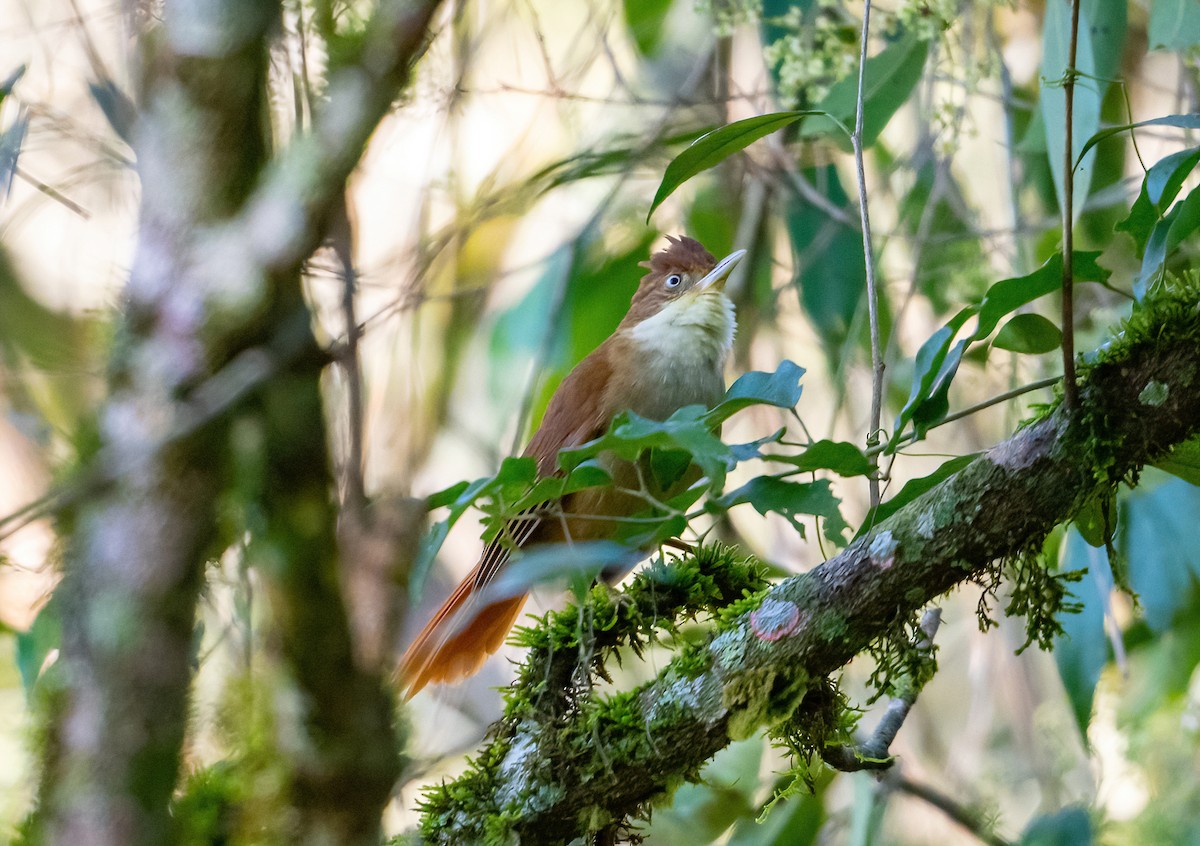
[(498, 218)]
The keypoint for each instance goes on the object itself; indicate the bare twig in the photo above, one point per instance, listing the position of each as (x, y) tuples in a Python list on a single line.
[(877, 364), (1070, 389)]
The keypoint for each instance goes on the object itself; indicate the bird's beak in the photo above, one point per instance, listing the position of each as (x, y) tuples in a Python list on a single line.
[(715, 278)]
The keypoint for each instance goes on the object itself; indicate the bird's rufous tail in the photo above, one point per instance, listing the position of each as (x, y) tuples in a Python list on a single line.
[(459, 638)]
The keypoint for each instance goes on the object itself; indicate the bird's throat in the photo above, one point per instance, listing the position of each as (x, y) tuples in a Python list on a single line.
[(678, 355), (699, 326)]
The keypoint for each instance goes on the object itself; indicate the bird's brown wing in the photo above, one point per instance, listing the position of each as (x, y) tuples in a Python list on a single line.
[(464, 631)]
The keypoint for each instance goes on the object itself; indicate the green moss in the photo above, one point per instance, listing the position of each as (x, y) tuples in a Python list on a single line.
[(824, 718), (903, 659)]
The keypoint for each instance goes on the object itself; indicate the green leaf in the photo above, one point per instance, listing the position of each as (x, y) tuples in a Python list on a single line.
[(686, 429), (583, 561), (1095, 518), (934, 407), (1083, 649), (1174, 25), (35, 645), (926, 367), (714, 147), (1183, 461), (1159, 188), (827, 254), (1188, 121), (753, 449), (1156, 539), (1068, 827), (12, 140), (888, 80), (913, 489), (10, 81), (1008, 295), (1101, 39), (781, 389), (1028, 333), (1180, 222), (790, 500), (645, 19), (842, 458)]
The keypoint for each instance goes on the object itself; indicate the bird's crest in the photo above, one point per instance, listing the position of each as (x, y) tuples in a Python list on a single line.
[(681, 254)]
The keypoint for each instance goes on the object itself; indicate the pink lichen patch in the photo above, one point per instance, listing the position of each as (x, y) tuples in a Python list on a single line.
[(774, 619), (883, 550)]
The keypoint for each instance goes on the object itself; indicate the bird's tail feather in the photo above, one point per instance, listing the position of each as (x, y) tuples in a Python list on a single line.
[(459, 638)]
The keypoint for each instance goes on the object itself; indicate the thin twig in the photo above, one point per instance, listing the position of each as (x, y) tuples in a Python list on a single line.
[(1070, 389), (868, 255)]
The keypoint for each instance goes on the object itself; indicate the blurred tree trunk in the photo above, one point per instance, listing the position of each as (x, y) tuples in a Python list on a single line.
[(215, 330)]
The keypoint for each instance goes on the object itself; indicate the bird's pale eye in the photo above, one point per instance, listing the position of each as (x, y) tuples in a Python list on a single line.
[(673, 280)]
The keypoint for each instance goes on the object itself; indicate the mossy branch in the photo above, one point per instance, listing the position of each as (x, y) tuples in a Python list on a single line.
[(549, 776)]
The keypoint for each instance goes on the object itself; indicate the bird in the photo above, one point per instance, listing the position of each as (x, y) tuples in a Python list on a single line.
[(668, 352)]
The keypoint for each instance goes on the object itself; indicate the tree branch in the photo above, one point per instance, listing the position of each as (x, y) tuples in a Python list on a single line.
[(605, 759)]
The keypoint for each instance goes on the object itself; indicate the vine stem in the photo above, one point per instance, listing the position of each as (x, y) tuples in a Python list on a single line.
[(877, 365), (1070, 389)]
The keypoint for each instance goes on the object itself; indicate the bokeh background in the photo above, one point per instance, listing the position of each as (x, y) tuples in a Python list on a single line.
[(499, 214)]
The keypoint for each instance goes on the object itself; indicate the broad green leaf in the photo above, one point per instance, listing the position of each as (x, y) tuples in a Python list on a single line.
[(427, 549), (913, 489), (1159, 188), (1156, 539), (842, 458), (1183, 461), (1008, 295), (117, 107), (791, 500), (724, 794), (827, 254), (1095, 518), (781, 389), (12, 140), (1188, 121), (1101, 39), (686, 429), (926, 366), (888, 80), (512, 481), (1174, 25), (54, 342), (753, 449), (1028, 333), (36, 644), (793, 821), (934, 407), (714, 147), (583, 561), (1181, 221), (1083, 649), (645, 19), (1068, 827)]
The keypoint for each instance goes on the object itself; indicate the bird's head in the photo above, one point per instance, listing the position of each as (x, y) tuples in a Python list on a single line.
[(682, 276)]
